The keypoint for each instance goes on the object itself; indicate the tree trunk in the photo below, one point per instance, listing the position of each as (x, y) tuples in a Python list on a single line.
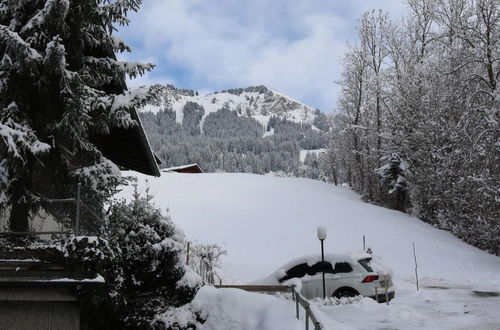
[(19, 217)]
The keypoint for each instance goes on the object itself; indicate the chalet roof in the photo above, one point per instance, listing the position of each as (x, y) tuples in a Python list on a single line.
[(190, 168), (129, 148)]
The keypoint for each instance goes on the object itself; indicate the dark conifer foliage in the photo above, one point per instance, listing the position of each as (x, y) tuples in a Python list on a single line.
[(59, 78), (231, 142)]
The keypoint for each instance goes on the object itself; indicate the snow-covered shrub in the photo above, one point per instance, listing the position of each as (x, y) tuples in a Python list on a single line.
[(183, 317), (86, 253), (204, 259), (148, 274)]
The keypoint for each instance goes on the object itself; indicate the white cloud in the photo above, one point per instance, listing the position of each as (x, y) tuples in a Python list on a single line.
[(292, 46)]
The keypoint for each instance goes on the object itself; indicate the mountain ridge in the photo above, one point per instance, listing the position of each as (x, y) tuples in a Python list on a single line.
[(258, 102)]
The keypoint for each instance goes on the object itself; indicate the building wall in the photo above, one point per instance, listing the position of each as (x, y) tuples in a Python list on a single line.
[(39, 315), (18, 312)]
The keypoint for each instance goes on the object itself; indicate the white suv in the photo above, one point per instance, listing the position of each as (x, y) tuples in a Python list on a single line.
[(345, 276)]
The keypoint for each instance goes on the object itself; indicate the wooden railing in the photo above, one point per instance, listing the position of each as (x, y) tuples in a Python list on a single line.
[(300, 300), (296, 296)]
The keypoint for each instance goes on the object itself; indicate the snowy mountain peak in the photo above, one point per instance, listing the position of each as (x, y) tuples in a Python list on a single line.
[(258, 102)]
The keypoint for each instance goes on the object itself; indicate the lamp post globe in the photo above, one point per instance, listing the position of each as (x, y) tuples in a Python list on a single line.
[(321, 233)]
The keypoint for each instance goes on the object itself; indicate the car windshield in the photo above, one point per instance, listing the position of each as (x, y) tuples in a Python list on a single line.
[(366, 264)]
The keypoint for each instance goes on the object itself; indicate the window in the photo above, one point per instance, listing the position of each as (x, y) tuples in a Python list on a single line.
[(342, 267), (320, 267), (366, 264), (296, 271)]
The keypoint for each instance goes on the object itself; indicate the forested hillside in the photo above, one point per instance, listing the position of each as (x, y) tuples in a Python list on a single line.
[(254, 130), (418, 123)]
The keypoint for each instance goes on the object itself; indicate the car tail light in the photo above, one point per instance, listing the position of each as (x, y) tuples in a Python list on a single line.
[(370, 278)]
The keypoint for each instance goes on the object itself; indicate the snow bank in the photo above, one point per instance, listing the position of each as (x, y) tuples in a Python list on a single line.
[(237, 309)]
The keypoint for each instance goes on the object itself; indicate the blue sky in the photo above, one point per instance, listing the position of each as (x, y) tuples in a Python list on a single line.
[(293, 46)]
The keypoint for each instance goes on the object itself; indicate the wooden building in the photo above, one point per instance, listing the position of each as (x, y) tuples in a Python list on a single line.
[(191, 168), (129, 148)]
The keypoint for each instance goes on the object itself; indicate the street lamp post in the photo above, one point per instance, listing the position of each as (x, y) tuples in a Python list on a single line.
[(322, 237)]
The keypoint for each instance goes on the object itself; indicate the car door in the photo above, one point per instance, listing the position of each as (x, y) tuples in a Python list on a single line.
[(335, 277), (345, 276), (312, 284), (302, 271)]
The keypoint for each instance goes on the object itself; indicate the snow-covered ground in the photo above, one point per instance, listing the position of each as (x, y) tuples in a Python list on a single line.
[(264, 221)]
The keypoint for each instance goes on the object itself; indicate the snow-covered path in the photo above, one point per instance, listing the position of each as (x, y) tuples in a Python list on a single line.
[(265, 221), (433, 307)]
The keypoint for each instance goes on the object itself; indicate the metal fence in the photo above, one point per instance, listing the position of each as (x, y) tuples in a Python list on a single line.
[(62, 211)]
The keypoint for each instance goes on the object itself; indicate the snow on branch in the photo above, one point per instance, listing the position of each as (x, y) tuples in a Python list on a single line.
[(53, 13), (132, 69), (121, 105), (119, 45), (117, 10), (99, 175), (12, 45), (17, 136)]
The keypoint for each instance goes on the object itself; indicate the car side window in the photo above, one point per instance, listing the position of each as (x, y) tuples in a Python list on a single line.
[(320, 267), (342, 267), (296, 271)]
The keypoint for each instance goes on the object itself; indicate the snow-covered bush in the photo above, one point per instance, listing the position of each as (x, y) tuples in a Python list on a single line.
[(141, 257), (188, 316), (148, 274), (87, 253), (204, 259)]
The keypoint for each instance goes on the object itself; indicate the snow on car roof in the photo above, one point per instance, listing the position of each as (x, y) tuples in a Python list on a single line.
[(311, 260), (358, 255)]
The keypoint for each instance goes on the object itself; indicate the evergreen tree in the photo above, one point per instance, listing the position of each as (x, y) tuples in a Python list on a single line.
[(60, 86)]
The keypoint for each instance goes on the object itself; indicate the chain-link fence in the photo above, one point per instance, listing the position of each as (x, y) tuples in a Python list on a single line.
[(63, 210)]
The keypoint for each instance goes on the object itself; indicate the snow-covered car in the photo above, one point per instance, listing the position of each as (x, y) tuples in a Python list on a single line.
[(346, 275)]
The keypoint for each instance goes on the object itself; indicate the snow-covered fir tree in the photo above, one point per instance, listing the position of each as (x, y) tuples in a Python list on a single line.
[(60, 87)]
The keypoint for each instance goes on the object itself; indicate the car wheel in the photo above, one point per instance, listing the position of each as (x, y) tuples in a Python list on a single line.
[(345, 292)]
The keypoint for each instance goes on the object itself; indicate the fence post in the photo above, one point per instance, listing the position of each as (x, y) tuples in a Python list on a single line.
[(307, 318), (77, 218), (387, 290), (296, 301), (416, 266)]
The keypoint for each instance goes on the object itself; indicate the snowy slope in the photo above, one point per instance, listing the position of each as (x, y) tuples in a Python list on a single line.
[(265, 221), (258, 102)]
